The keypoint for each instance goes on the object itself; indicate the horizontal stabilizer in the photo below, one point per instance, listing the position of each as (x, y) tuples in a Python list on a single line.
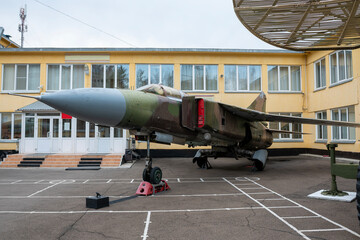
[(253, 115)]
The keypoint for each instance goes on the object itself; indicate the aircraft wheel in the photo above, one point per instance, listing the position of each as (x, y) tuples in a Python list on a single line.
[(145, 176), (259, 165), (201, 162), (155, 175), (358, 192)]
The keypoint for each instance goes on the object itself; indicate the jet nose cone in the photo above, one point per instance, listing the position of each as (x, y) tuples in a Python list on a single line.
[(102, 106)]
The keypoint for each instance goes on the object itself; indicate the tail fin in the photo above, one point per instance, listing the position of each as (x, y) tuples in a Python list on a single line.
[(259, 104)]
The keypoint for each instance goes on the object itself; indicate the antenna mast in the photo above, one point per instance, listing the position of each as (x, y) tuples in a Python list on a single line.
[(22, 27)]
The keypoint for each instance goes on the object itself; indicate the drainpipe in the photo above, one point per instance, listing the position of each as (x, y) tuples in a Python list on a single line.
[(305, 94)]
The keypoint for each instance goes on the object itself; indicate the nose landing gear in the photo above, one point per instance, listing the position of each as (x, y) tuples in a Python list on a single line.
[(150, 174)]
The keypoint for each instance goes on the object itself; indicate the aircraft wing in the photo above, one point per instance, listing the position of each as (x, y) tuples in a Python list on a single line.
[(253, 115), (286, 132)]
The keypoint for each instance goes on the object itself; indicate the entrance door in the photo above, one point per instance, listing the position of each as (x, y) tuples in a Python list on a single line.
[(47, 134), (104, 145)]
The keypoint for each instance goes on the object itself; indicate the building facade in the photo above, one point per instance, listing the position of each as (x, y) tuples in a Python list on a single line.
[(322, 84)]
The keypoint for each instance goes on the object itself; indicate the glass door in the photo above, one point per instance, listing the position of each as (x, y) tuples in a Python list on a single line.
[(104, 141), (44, 135), (47, 134)]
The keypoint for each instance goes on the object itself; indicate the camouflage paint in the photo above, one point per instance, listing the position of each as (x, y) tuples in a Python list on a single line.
[(155, 110)]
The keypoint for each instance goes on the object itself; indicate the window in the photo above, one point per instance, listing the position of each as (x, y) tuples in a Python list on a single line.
[(80, 128), (10, 125), (154, 74), (6, 126), (21, 77), (66, 128), (341, 66), (320, 74), (284, 78), (343, 133), (110, 76), (91, 130), (321, 130), (292, 127), (118, 132), (65, 76), (104, 132), (199, 77), (29, 125), (242, 78)]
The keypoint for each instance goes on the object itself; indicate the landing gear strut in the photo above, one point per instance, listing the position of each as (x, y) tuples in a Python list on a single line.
[(150, 174)]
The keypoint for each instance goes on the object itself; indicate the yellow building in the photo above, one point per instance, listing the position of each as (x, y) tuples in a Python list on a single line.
[(315, 85)]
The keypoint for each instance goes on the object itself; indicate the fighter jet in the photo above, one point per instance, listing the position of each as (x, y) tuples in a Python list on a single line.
[(156, 113)]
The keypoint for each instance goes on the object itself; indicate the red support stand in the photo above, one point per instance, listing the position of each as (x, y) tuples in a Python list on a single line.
[(146, 188)]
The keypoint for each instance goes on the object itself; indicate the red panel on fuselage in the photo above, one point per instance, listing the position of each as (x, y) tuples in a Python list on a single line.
[(201, 113)]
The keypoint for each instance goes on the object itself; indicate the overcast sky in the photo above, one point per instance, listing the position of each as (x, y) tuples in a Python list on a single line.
[(141, 23)]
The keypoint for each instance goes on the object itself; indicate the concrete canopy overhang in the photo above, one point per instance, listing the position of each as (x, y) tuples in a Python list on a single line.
[(37, 107), (302, 25)]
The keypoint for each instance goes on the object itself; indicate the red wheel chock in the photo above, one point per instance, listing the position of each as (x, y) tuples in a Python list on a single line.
[(146, 188)]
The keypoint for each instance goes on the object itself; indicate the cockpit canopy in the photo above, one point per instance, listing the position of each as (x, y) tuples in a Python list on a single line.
[(162, 90)]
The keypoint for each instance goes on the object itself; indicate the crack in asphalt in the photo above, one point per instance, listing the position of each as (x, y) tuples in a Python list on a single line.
[(247, 219), (282, 231), (68, 229)]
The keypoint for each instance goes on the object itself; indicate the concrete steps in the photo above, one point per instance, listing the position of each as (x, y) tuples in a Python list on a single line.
[(12, 161), (63, 160)]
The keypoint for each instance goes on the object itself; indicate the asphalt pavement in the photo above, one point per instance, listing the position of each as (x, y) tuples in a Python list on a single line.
[(229, 201)]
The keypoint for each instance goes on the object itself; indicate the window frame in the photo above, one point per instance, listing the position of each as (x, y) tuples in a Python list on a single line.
[(289, 79), (12, 126), (347, 78), (247, 80), (149, 73), (204, 78), (290, 138), (15, 78), (115, 65), (322, 82), (321, 139), (348, 129), (60, 75)]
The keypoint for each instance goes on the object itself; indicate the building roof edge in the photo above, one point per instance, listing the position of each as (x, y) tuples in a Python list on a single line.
[(205, 50)]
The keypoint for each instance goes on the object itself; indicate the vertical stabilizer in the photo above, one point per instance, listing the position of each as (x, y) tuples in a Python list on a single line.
[(259, 104)]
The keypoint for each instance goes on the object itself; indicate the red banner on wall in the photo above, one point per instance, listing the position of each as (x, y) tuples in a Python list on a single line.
[(65, 116)]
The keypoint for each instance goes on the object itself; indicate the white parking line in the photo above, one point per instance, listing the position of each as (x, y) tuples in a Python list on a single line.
[(271, 199), (269, 210), (299, 217), (119, 197), (46, 188), (109, 181), (244, 184), (323, 230), (147, 222), (309, 210), (134, 211), (16, 181)]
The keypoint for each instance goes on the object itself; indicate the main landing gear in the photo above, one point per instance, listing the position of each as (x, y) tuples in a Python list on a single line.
[(202, 162), (150, 174)]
